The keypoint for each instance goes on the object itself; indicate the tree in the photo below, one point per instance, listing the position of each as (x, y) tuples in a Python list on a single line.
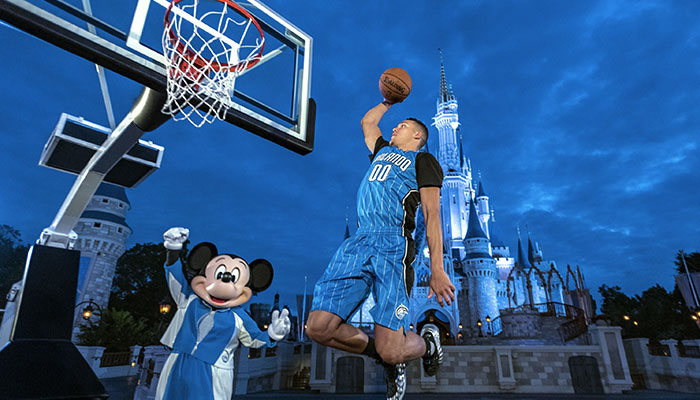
[(139, 286), (655, 314), (116, 331), (692, 260), (13, 256), (616, 306)]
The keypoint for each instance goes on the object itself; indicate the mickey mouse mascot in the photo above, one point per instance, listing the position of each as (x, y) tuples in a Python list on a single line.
[(210, 291)]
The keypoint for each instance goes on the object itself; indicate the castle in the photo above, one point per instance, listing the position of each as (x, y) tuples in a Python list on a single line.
[(102, 234), (488, 278)]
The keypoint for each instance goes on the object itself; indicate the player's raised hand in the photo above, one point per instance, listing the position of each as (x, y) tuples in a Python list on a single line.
[(441, 287), (173, 238), (279, 325)]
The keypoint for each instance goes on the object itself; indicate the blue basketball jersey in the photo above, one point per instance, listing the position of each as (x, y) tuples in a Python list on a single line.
[(388, 195)]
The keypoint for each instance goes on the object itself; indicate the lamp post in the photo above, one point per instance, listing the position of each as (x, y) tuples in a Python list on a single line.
[(478, 323), (459, 334), (488, 325), (164, 308), (89, 310)]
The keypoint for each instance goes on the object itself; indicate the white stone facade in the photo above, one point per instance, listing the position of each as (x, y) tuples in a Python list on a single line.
[(102, 236)]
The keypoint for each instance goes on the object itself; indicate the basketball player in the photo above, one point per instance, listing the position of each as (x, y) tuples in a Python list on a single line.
[(379, 256)]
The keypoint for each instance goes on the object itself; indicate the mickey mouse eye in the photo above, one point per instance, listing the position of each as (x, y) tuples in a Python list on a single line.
[(235, 274), (219, 273)]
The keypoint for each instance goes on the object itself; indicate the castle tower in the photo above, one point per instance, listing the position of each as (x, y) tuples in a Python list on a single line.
[(481, 274), (482, 205), (102, 234), (456, 186), (523, 264)]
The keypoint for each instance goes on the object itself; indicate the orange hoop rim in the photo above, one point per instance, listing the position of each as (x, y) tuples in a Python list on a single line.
[(203, 62)]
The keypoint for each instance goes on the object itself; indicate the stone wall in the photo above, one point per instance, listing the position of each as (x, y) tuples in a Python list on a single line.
[(493, 369), (270, 371), (668, 368)]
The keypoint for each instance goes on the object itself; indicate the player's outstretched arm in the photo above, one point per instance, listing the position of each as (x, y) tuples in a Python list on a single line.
[(440, 284), (370, 123)]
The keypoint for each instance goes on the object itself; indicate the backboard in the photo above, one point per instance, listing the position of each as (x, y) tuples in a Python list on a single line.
[(271, 99)]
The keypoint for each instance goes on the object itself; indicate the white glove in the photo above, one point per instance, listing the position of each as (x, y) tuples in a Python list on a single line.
[(279, 325), (173, 238)]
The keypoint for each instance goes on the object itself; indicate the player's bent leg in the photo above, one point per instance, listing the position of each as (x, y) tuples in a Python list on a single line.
[(329, 329), (394, 347)]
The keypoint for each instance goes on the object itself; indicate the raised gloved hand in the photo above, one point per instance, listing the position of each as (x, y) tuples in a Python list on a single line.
[(279, 325), (173, 238)]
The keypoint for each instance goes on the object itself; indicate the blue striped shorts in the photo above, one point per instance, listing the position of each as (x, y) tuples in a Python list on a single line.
[(369, 261)]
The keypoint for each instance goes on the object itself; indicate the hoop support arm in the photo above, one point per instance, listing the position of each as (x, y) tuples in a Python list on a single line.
[(142, 118)]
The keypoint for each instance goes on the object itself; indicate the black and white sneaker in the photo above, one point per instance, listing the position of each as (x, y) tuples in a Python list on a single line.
[(431, 363), (395, 376)]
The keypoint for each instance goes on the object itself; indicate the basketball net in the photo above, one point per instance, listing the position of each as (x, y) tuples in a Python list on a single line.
[(203, 58)]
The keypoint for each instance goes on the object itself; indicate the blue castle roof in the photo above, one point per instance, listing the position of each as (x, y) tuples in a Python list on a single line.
[(523, 262), (530, 250), (113, 191), (481, 192), (105, 216), (474, 228)]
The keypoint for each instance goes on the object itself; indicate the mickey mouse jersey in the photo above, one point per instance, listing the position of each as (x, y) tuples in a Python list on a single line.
[(388, 195)]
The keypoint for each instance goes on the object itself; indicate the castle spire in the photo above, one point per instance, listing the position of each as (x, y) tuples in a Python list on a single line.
[(445, 90), (522, 261), (443, 80), (481, 192), (474, 230)]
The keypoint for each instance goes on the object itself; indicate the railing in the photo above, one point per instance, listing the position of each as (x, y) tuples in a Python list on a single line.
[(254, 353), (688, 351), (553, 309), (659, 350), (496, 326), (573, 327), (115, 359)]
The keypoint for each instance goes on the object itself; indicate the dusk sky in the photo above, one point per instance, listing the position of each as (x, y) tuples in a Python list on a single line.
[(583, 118)]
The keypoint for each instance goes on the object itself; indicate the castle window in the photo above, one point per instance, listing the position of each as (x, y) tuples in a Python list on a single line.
[(119, 230), (453, 200), (121, 205), (105, 201), (97, 224)]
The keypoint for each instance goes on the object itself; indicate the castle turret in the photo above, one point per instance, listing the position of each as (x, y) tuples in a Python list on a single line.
[(456, 186), (482, 205), (102, 234), (482, 276)]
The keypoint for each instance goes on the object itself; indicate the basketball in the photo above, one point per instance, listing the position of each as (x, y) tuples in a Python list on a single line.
[(395, 85)]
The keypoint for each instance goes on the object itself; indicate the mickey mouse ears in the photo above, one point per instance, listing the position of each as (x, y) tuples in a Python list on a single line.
[(261, 274)]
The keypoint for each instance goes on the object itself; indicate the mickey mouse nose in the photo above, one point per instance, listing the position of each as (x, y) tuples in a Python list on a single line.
[(226, 277)]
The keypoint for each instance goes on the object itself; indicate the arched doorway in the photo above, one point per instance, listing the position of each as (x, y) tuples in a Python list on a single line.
[(350, 375), (585, 376), (439, 319)]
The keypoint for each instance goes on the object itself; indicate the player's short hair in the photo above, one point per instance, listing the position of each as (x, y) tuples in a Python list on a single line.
[(423, 129)]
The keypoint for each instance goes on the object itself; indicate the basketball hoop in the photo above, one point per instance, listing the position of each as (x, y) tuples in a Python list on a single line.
[(203, 58)]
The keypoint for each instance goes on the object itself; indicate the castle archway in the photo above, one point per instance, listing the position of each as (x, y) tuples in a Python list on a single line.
[(439, 319)]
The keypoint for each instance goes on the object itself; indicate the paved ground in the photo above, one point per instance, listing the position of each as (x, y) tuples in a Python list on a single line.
[(637, 395), (123, 389)]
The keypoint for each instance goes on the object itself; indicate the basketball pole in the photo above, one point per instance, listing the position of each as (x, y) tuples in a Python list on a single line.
[(101, 73), (40, 360)]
